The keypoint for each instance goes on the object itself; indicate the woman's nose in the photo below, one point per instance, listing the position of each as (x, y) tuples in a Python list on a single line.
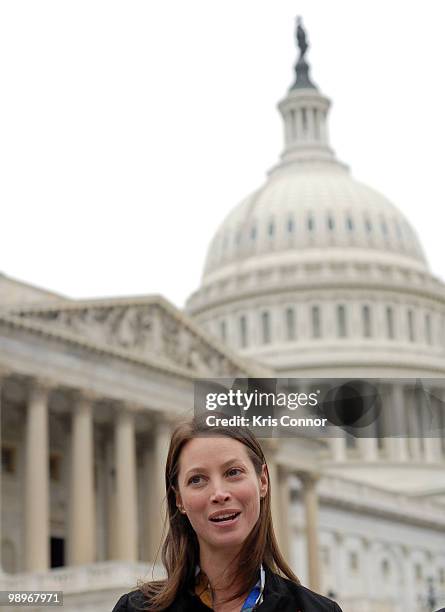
[(220, 495)]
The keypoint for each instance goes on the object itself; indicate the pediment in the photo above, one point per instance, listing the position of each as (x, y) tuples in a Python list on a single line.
[(145, 327)]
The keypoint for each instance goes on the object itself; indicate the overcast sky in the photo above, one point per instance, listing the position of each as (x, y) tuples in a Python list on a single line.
[(128, 130)]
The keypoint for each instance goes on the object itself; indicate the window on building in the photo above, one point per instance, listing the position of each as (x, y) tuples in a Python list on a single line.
[(57, 552), (253, 232), (368, 226), (341, 321), (390, 323), (366, 321), (310, 223), (243, 331), (316, 321), (442, 576), (428, 335), (349, 224), (290, 324), (386, 569), (265, 327), (325, 556), (271, 229), (223, 330), (55, 466), (384, 228), (304, 119), (8, 459), (9, 556), (353, 561), (410, 321), (418, 572), (331, 223), (351, 441), (290, 225)]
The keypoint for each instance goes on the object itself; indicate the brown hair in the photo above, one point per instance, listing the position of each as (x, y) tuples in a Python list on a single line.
[(180, 550)]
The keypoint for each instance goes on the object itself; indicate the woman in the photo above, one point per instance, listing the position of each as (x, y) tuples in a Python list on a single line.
[(220, 552)]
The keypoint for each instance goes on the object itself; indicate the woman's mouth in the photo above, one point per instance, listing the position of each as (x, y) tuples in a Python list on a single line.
[(225, 519)]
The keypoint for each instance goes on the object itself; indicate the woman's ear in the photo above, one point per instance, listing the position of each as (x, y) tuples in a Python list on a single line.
[(179, 501), (264, 481)]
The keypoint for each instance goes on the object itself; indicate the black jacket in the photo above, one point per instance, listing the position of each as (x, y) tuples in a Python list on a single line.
[(280, 595)]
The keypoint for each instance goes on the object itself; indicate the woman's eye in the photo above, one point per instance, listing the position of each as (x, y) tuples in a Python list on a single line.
[(195, 479), (234, 472)]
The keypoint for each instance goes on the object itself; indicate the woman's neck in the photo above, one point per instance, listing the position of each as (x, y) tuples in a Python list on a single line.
[(219, 569)]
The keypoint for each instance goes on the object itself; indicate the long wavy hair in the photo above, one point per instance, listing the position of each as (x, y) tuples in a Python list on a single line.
[(180, 550)]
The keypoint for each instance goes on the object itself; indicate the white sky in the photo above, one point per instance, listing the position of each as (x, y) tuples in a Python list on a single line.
[(128, 130)]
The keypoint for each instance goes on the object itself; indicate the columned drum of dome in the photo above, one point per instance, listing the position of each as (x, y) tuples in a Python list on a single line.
[(313, 239)]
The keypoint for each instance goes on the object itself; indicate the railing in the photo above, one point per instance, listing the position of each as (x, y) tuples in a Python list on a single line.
[(97, 576)]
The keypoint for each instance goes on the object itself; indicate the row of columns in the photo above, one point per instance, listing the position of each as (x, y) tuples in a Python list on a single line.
[(400, 418), (82, 502)]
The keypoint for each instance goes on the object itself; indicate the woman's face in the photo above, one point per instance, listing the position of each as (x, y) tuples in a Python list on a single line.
[(219, 491)]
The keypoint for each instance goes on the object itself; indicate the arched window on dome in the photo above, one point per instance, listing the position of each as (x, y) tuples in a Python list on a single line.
[(316, 321), (366, 321), (265, 327), (271, 229), (384, 227), (253, 233), (290, 225), (331, 223), (410, 324), (304, 120), (390, 331), (349, 224), (243, 331), (290, 323), (398, 233), (385, 569), (341, 321), (428, 334), (368, 225), (310, 223)]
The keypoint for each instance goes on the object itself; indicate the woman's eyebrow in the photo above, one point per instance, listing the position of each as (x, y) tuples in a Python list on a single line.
[(223, 465)]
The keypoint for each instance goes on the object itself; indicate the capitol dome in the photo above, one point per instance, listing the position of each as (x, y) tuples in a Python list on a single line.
[(308, 214), (317, 274)]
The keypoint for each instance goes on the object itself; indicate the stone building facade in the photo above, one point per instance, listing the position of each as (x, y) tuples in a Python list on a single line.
[(314, 275)]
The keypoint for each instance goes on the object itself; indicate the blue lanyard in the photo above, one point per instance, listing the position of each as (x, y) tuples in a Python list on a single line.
[(254, 595), (251, 599)]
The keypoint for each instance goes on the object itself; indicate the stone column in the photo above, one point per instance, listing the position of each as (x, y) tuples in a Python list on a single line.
[(310, 500), (397, 443), (338, 448), (82, 527), (3, 374), (279, 497), (310, 123), (367, 446), (155, 501), (431, 416), (36, 510), (126, 500)]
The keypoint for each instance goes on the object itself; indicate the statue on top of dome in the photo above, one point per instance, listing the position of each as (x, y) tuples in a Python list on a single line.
[(301, 38), (302, 67)]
